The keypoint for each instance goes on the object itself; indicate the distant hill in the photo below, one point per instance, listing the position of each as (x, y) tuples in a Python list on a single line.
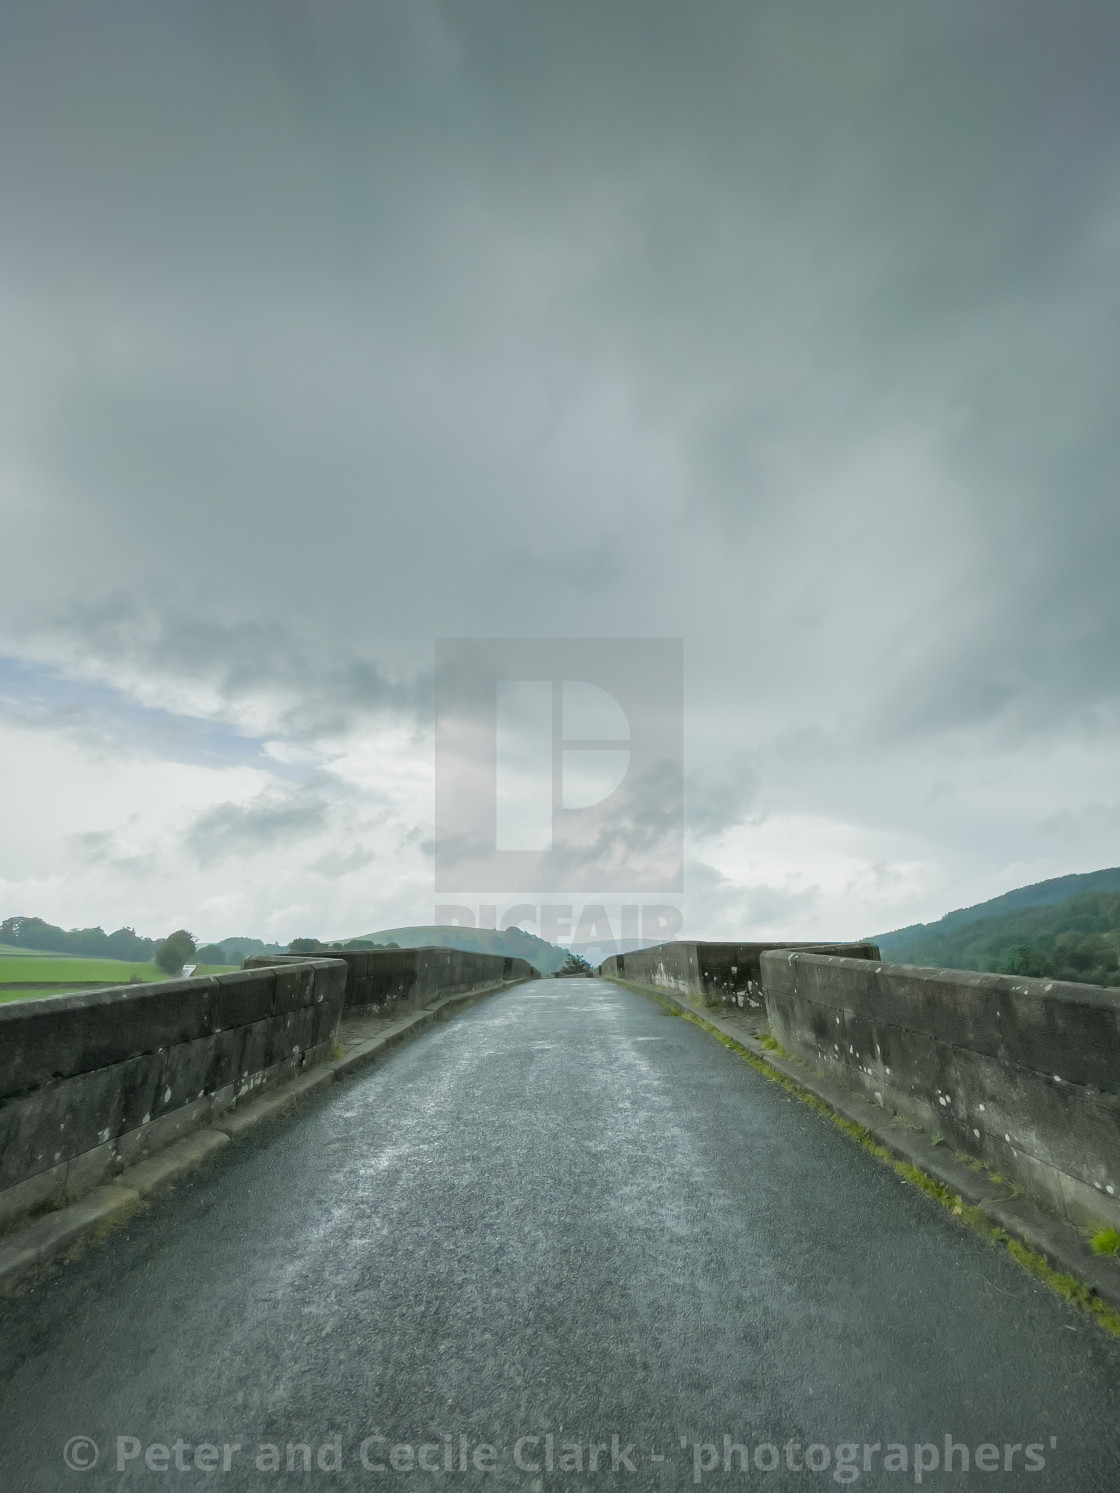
[(237, 949), (1038, 894), (515, 942), (1067, 927)]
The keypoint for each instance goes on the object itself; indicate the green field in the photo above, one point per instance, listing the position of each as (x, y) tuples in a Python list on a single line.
[(24, 966), (20, 968), (7, 948)]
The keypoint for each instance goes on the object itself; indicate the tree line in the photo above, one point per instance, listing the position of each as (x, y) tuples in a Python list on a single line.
[(167, 954), (1078, 940), (92, 943)]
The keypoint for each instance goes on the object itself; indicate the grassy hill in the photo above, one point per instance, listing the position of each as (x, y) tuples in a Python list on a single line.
[(514, 942), (1068, 928)]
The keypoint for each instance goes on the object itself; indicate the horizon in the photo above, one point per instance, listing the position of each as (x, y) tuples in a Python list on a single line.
[(341, 939)]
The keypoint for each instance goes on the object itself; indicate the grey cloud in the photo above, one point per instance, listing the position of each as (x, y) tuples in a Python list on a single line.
[(418, 838), (769, 904), (941, 789), (639, 829), (342, 862), (763, 911), (715, 802), (724, 236), (742, 909), (1088, 818), (271, 819), (314, 689), (103, 849)]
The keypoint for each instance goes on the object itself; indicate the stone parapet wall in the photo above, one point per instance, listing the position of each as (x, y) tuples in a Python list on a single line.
[(91, 1083), (1022, 1074), (399, 980), (710, 974)]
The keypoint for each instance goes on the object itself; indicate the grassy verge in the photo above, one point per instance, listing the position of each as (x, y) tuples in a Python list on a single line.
[(1067, 1286)]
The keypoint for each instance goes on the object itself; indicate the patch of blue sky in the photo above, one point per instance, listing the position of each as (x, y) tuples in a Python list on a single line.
[(37, 694)]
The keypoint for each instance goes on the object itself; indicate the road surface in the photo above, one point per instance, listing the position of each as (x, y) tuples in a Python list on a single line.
[(564, 1221)]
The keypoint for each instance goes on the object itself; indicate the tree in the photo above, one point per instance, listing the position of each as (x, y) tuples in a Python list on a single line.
[(174, 951), (304, 946), (125, 943), (212, 953), (575, 964), (1025, 960)]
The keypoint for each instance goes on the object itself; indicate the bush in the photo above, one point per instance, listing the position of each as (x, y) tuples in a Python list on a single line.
[(174, 951)]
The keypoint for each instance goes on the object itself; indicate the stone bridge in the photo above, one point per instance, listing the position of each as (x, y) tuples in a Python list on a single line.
[(252, 1235)]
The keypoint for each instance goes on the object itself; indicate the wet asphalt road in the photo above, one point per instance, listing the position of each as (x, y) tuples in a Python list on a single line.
[(564, 1214)]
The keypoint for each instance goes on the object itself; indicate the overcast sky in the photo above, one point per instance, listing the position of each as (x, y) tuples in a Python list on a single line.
[(333, 327)]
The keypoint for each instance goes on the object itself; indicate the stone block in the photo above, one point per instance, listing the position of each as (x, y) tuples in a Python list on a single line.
[(62, 1120), (174, 1162), (1088, 1207), (257, 1046), (295, 988), (44, 1190), (1072, 1128), (163, 1130), (44, 1041), (89, 1170), (245, 996)]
